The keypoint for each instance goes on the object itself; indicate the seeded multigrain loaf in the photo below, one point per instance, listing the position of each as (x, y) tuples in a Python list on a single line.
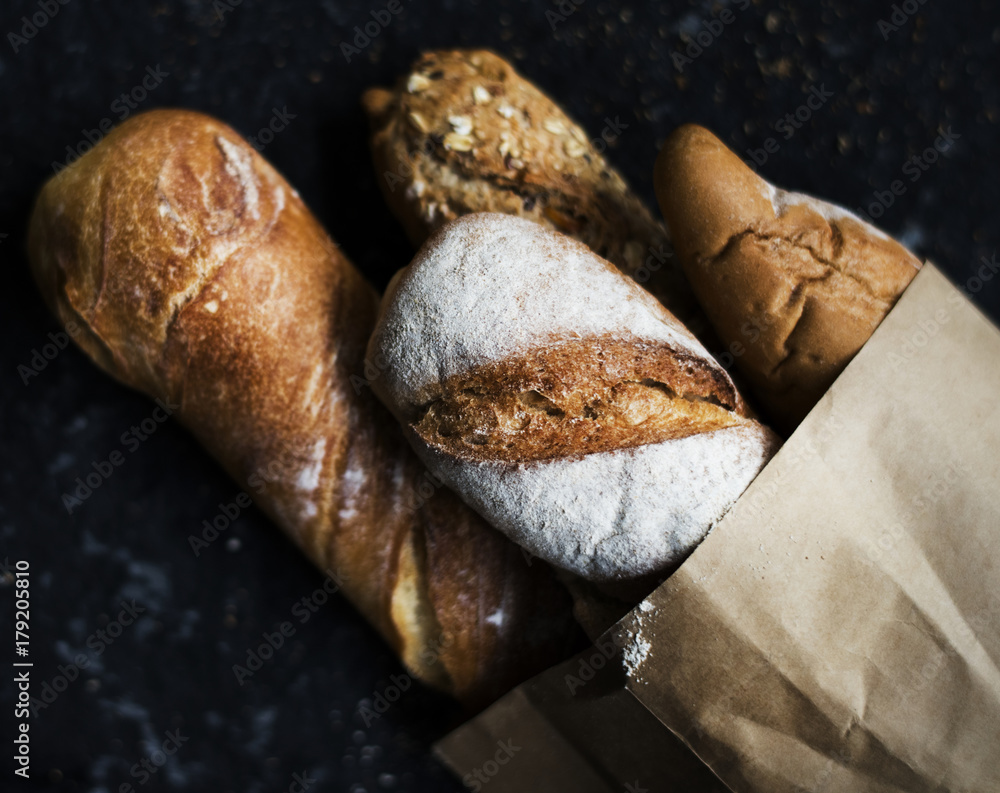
[(794, 285), (196, 274), (562, 401), (463, 132)]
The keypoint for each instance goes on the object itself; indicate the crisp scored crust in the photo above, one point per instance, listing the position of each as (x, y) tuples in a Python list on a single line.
[(560, 400), (463, 132), (200, 277), (798, 283), (576, 397)]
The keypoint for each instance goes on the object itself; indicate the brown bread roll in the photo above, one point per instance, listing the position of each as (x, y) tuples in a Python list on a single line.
[(794, 286), (561, 400), (199, 276), (464, 132)]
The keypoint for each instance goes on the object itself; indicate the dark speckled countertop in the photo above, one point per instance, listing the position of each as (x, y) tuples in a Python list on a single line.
[(886, 83)]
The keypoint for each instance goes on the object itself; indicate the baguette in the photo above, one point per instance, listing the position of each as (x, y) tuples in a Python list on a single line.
[(561, 400), (797, 285), (464, 132), (197, 275)]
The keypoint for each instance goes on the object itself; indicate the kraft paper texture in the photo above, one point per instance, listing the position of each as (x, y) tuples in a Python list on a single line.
[(839, 630)]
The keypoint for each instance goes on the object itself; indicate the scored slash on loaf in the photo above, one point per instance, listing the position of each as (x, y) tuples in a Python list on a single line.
[(562, 401)]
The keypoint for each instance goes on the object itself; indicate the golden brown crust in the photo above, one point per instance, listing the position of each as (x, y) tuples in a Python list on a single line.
[(799, 285), (464, 132), (575, 397), (200, 277)]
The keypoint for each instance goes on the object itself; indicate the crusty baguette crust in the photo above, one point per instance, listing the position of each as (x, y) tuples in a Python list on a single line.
[(799, 284), (562, 401), (199, 276), (464, 132)]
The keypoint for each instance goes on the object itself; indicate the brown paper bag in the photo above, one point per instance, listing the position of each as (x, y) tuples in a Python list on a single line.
[(839, 630)]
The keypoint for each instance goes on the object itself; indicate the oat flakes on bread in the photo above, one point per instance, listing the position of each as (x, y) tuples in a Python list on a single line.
[(798, 284), (464, 132), (561, 400)]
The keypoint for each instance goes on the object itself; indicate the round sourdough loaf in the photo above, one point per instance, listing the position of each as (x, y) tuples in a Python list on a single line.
[(561, 400)]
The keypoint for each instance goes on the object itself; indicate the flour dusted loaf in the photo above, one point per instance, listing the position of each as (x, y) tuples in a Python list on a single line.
[(560, 400), (464, 132), (798, 285), (198, 276)]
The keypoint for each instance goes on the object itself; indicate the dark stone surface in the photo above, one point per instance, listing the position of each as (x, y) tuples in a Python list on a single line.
[(892, 94)]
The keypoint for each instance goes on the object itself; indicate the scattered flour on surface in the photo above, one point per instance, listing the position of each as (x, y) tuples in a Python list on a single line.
[(634, 654), (636, 650)]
